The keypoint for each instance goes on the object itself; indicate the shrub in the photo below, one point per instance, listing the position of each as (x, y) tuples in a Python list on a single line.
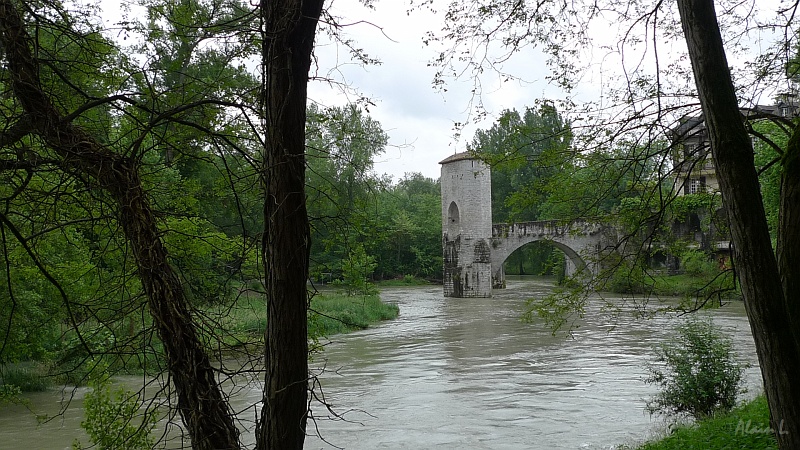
[(111, 419), (697, 372), (9, 393), (697, 263), (356, 270), (629, 277)]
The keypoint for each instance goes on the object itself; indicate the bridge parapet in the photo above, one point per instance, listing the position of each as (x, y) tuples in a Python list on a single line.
[(546, 229)]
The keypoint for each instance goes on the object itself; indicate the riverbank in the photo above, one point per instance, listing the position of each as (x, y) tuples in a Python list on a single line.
[(241, 324), (330, 312), (746, 427), (682, 285), (408, 280)]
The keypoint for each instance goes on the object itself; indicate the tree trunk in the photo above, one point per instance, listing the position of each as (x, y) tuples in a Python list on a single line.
[(200, 401), (288, 40), (770, 303)]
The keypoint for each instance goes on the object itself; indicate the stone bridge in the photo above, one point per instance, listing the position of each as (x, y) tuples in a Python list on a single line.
[(475, 250), (580, 241)]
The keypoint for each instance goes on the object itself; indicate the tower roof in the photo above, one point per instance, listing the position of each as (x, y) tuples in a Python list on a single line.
[(458, 157)]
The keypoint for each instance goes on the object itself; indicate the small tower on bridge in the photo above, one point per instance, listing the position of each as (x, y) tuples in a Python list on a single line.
[(466, 184)]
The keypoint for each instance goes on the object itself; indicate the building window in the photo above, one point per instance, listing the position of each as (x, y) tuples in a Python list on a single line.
[(697, 185)]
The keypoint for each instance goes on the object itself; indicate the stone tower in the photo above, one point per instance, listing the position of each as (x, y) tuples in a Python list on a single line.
[(466, 226)]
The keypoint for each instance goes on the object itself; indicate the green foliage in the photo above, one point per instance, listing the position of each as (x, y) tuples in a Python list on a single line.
[(745, 427), (82, 356), (114, 420), (240, 322), (399, 224), (595, 184), (68, 286), (671, 227), (356, 272), (526, 152), (341, 144), (406, 280), (680, 207), (31, 306), (765, 158), (697, 372), (628, 276), (697, 263), (23, 377), (693, 288), (631, 213), (244, 322), (537, 258), (9, 393), (204, 256), (406, 233)]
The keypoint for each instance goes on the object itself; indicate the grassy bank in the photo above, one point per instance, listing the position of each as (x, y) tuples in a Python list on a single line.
[(408, 280), (233, 327), (683, 285), (746, 427), (334, 313), (330, 313)]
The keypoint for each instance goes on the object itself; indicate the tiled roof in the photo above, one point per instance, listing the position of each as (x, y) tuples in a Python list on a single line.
[(458, 157)]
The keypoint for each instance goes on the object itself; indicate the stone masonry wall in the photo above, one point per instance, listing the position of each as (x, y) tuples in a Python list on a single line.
[(466, 183)]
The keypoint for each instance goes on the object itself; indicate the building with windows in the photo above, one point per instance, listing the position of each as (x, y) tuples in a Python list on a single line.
[(691, 146), (691, 157), (694, 171)]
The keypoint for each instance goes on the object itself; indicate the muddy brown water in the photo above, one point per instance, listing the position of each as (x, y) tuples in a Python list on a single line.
[(456, 374)]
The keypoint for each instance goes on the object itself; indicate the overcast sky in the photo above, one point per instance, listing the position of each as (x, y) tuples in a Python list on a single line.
[(418, 118)]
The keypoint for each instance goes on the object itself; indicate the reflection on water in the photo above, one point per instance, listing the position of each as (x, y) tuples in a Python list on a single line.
[(459, 373)]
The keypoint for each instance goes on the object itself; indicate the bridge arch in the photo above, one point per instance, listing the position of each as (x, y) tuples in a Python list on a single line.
[(577, 240), (575, 263), (571, 254)]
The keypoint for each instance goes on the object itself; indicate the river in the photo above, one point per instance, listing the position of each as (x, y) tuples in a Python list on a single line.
[(467, 373), (463, 373)]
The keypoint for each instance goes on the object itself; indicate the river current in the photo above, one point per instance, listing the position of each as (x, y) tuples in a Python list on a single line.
[(468, 374), (461, 374)]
